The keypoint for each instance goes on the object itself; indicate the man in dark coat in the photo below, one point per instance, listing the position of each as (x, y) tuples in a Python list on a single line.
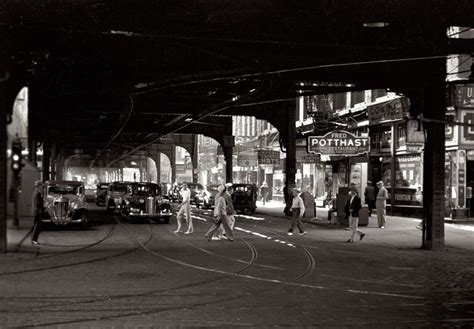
[(37, 205), (352, 209), (369, 195)]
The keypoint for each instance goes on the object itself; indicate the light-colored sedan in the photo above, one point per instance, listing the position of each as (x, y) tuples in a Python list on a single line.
[(64, 203)]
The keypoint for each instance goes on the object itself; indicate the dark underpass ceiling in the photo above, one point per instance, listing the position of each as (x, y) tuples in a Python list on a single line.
[(118, 74)]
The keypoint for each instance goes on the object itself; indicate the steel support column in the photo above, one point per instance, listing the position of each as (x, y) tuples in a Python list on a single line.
[(433, 170), (173, 164), (53, 162), (228, 151), (46, 160), (3, 162), (290, 114), (157, 159), (194, 159)]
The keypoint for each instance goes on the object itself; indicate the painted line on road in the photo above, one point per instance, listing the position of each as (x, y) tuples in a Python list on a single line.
[(265, 237)]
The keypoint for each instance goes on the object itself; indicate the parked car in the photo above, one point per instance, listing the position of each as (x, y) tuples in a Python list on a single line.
[(101, 193), (64, 203), (114, 197), (195, 188), (175, 195), (244, 197), (145, 200), (90, 193), (206, 198)]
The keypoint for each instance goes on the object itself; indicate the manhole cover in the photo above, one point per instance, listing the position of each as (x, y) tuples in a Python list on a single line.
[(136, 275)]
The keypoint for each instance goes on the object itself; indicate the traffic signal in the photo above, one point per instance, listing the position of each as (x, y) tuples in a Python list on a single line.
[(17, 159)]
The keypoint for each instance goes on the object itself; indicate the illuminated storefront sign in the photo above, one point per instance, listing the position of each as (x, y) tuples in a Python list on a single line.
[(338, 143)]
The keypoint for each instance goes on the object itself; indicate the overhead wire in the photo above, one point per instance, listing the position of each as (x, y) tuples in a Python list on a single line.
[(218, 108), (119, 131)]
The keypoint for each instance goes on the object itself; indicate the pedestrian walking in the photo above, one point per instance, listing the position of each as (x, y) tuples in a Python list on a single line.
[(229, 189), (185, 210), (264, 191), (352, 209), (369, 196), (220, 216), (37, 209), (297, 208), (380, 203)]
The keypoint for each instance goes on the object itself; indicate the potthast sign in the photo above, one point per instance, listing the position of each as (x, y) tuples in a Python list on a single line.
[(337, 143)]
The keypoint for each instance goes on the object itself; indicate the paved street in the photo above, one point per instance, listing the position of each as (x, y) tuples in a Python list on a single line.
[(142, 275)]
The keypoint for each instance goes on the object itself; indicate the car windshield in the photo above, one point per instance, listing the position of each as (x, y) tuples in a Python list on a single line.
[(146, 190), (63, 189), (194, 187)]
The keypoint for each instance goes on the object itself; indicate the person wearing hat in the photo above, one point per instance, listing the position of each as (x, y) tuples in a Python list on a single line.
[(220, 216), (37, 209), (298, 209), (380, 203), (185, 208), (369, 196), (229, 189)]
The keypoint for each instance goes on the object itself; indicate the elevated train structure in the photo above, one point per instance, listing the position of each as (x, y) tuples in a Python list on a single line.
[(113, 78)]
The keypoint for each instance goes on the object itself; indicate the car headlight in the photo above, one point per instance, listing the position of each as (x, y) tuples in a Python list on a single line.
[(142, 200), (134, 210)]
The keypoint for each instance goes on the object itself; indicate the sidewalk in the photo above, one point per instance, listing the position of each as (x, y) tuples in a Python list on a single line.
[(400, 232), (16, 235)]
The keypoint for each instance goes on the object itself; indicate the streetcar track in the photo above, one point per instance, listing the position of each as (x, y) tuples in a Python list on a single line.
[(82, 247), (311, 264), (311, 260), (251, 246), (139, 312), (257, 278), (254, 256), (89, 261)]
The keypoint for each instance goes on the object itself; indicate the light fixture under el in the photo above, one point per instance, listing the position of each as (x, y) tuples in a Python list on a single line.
[(375, 24)]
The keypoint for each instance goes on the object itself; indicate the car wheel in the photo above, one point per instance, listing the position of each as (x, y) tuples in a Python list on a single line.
[(84, 222)]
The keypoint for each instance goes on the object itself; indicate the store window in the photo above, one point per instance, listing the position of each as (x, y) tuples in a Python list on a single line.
[(381, 139)]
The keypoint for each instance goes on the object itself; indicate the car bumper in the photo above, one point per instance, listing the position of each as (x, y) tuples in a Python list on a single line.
[(63, 221)]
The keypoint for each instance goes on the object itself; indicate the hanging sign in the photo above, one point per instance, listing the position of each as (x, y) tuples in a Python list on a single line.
[(268, 157), (390, 110), (338, 142), (247, 160), (302, 155)]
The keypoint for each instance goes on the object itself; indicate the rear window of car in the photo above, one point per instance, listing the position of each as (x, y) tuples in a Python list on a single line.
[(147, 190), (194, 187), (63, 189)]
